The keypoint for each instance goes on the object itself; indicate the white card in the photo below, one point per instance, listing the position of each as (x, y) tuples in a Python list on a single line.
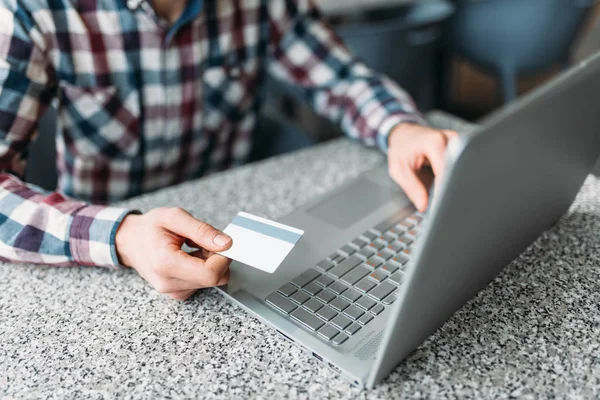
[(259, 242)]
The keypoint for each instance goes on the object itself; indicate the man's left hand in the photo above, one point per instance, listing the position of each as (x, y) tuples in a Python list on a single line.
[(412, 147)]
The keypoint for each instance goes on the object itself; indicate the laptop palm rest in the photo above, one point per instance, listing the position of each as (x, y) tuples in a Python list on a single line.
[(344, 208)]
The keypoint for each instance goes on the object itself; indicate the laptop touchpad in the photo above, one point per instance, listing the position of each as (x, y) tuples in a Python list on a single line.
[(344, 208)]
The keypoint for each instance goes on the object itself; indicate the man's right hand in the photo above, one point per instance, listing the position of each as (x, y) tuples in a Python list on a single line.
[(151, 243)]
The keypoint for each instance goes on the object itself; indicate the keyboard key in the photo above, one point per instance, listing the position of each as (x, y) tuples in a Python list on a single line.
[(395, 247), (356, 274), (389, 267), (413, 233), (327, 313), (385, 254), (378, 309), (341, 321), (358, 243), (392, 233), (325, 265), (351, 295), (378, 275), (390, 299), (365, 285), (338, 288), (287, 290), (339, 304), (312, 288), (401, 259), (385, 225), (365, 319), (305, 278), (382, 290), (406, 225), (324, 280), (374, 262), (300, 297), (341, 269), (328, 332), (405, 240), (347, 250), (407, 251), (353, 312), (377, 245), (280, 302), (352, 329), (398, 230), (313, 305), (340, 339), (370, 236), (366, 253), (396, 278), (388, 237), (414, 219), (366, 303), (336, 258), (307, 319), (325, 296)]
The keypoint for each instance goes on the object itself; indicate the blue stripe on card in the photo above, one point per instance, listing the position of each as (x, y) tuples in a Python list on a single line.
[(265, 229)]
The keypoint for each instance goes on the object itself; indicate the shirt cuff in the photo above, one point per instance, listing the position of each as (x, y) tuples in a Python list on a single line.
[(389, 123), (92, 234)]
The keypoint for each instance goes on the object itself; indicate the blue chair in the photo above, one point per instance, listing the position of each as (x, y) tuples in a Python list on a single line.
[(512, 37), (403, 43)]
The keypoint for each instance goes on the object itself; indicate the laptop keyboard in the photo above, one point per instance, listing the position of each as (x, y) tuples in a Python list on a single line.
[(354, 285)]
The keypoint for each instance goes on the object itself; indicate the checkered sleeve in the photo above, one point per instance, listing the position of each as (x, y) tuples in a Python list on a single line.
[(49, 228), (306, 53), (36, 226)]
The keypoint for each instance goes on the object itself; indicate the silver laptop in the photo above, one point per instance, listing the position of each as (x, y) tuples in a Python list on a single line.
[(372, 278)]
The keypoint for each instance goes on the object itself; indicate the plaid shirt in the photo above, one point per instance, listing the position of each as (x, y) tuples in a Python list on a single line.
[(143, 104)]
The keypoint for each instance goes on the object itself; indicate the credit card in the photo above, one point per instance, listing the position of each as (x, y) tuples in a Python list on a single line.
[(259, 242)]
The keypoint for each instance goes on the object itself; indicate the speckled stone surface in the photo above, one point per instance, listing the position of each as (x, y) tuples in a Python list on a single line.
[(69, 333)]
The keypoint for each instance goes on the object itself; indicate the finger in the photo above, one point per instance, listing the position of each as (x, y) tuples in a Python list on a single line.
[(412, 186), (204, 235), (202, 253), (199, 252), (191, 244), (225, 278), (178, 285), (202, 273), (181, 295), (435, 152), (449, 134)]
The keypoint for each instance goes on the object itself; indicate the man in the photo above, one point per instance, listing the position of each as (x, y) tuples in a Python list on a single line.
[(156, 92)]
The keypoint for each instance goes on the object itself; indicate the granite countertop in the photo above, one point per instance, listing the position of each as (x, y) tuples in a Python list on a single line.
[(534, 332)]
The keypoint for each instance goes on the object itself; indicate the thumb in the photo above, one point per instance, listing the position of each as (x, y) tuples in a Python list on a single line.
[(203, 234)]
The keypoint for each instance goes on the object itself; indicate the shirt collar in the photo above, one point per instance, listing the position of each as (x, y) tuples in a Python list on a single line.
[(133, 4), (191, 11)]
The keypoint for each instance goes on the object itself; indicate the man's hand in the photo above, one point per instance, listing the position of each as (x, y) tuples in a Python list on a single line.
[(412, 147), (151, 243)]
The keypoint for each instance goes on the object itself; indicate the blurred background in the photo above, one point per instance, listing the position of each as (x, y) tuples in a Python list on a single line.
[(466, 57)]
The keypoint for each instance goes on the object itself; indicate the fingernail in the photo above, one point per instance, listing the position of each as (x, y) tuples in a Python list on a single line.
[(221, 240)]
